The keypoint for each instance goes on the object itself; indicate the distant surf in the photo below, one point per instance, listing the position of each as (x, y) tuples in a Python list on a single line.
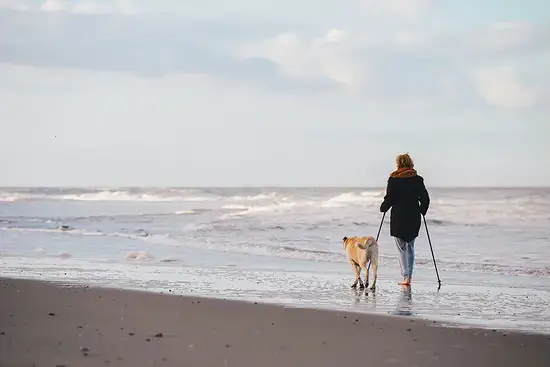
[(473, 229)]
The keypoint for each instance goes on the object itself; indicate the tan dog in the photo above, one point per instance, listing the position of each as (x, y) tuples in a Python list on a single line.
[(361, 250)]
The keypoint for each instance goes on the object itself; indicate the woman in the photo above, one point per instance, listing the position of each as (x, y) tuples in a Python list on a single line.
[(407, 197)]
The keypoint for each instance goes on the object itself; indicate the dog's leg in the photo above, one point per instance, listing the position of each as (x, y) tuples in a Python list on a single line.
[(374, 273), (359, 267), (367, 276), (361, 285), (364, 267), (356, 271)]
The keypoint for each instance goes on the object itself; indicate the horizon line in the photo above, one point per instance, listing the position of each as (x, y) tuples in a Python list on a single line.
[(260, 187)]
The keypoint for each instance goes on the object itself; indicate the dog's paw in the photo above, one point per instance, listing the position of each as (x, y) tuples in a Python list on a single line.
[(373, 288), (354, 285)]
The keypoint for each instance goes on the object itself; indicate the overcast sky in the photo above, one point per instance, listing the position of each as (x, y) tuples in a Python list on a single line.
[(251, 92)]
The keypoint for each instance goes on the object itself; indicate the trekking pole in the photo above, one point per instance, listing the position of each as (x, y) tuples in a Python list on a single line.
[(431, 248), (379, 229), (378, 235)]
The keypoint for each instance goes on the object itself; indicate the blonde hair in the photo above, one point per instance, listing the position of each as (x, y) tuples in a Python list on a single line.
[(404, 161)]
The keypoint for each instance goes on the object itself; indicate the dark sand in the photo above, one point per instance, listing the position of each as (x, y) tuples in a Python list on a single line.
[(43, 324)]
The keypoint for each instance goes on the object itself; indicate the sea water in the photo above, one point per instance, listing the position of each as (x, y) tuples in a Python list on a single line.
[(284, 245)]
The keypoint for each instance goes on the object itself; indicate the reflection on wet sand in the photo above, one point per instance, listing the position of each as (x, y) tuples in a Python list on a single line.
[(367, 297), (404, 302)]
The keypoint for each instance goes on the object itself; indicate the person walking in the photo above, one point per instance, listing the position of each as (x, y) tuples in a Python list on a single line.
[(408, 199)]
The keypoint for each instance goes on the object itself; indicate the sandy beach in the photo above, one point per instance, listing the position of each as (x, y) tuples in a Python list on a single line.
[(45, 324)]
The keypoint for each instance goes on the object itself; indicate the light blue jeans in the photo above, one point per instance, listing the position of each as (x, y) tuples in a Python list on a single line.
[(406, 256)]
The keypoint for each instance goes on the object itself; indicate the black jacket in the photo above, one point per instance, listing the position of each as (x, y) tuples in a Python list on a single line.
[(408, 198)]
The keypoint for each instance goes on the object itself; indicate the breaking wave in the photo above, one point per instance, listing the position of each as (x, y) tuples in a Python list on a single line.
[(106, 195), (9, 198), (251, 210), (184, 212), (258, 197), (355, 198)]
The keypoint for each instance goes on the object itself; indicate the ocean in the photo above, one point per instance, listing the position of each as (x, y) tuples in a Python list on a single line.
[(283, 245)]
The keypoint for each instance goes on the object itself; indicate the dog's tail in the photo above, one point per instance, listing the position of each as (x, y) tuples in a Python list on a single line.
[(364, 243)]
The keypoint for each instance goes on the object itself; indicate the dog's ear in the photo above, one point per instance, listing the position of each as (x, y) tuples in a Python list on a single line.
[(344, 239)]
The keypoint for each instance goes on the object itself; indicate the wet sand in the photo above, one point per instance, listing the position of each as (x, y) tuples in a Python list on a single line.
[(43, 324)]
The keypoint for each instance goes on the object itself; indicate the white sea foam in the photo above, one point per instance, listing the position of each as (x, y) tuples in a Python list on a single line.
[(199, 198), (193, 227), (106, 195), (70, 231), (126, 196), (43, 230), (9, 198), (354, 198), (258, 197), (139, 255), (109, 196), (184, 212), (332, 204), (252, 210), (235, 207)]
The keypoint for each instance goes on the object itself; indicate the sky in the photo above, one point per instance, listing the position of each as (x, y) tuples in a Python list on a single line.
[(286, 93)]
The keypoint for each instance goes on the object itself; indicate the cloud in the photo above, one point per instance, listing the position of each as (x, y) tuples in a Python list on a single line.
[(502, 87), (405, 65), (505, 35), (408, 38), (499, 38), (73, 6), (55, 5), (329, 57), (146, 47), (101, 7), (17, 5), (395, 69), (403, 8)]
